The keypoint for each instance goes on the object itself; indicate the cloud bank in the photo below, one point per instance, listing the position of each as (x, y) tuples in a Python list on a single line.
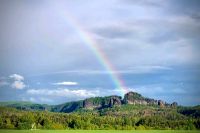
[(15, 81), (18, 81), (66, 83)]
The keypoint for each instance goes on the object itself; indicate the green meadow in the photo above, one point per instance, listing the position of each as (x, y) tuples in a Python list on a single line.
[(99, 131)]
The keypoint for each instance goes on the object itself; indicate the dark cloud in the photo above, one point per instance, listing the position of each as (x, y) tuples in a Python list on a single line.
[(188, 8)]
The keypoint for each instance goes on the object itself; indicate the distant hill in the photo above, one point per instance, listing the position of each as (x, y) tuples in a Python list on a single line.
[(94, 103), (23, 105)]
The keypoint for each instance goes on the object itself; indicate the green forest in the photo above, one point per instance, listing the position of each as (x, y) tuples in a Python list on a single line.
[(133, 112), (125, 117)]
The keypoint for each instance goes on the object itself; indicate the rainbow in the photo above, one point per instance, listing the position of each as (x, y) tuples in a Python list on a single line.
[(98, 52)]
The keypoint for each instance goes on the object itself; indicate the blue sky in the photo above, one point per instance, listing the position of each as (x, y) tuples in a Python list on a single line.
[(153, 45)]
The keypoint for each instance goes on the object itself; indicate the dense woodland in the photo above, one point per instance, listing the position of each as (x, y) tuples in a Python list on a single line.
[(125, 117), (134, 112)]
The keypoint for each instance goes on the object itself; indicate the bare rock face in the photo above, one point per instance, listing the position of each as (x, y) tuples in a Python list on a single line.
[(102, 102), (129, 98), (88, 104), (137, 99), (134, 98), (161, 103), (115, 101)]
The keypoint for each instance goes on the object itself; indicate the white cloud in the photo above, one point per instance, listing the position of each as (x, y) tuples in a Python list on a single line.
[(66, 83), (16, 77), (18, 85), (17, 81), (64, 92)]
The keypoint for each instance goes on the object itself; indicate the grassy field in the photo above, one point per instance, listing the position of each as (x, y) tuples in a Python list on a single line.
[(97, 131)]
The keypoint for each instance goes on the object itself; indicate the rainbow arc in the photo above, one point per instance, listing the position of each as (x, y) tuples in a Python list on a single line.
[(88, 40)]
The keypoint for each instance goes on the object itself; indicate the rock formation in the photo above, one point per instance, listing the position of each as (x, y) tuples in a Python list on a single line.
[(101, 102), (115, 101), (129, 98), (134, 98), (92, 103), (137, 99)]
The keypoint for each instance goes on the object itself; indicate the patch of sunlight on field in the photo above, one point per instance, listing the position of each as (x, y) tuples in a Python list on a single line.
[(98, 131)]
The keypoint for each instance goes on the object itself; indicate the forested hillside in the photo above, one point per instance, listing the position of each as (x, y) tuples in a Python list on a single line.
[(94, 103), (124, 117), (112, 112)]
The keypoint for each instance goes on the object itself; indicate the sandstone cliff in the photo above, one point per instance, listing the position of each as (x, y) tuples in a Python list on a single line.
[(129, 98)]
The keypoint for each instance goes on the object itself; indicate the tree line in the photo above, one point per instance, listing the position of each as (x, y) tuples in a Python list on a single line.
[(115, 118)]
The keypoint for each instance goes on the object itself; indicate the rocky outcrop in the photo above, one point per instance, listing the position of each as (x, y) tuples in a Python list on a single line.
[(101, 102), (137, 99), (133, 98), (88, 104), (92, 103), (129, 98), (115, 101)]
